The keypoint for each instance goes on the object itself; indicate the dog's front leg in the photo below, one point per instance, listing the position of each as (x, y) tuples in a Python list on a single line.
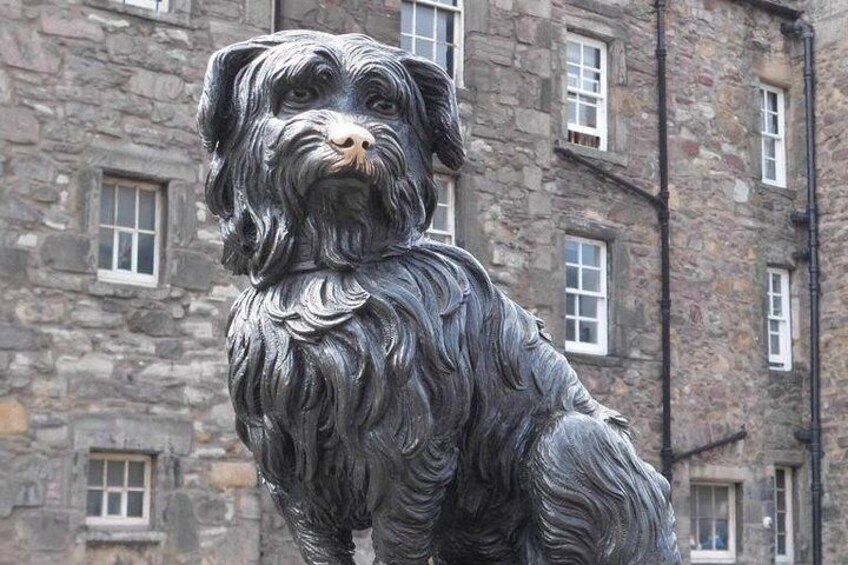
[(404, 524), (321, 540)]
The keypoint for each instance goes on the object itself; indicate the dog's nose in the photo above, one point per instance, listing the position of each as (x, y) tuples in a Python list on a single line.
[(350, 138)]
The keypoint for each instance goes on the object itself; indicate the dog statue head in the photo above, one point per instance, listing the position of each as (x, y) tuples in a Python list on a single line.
[(321, 150)]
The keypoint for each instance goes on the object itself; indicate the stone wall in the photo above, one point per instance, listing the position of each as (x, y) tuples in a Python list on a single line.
[(96, 88)]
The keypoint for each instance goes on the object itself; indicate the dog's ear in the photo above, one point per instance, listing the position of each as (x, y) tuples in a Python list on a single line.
[(437, 90), (216, 102)]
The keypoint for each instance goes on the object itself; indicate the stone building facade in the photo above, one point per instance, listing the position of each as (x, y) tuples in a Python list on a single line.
[(100, 372)]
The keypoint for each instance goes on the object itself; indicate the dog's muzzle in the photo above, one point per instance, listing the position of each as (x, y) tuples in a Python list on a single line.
[(353, 144)]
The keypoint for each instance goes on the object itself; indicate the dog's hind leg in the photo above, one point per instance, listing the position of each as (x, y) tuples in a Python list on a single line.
[(594, 501)]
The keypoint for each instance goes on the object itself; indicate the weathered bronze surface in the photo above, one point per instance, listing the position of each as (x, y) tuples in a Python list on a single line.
[(379, 378)]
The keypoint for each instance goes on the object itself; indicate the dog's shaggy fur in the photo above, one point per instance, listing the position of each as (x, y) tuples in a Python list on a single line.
[(380, 379)]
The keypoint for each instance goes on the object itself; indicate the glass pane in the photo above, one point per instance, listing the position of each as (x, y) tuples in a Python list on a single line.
[(424, 20), (406, 43), (572, 111), (113, 504), (769, 147), (570, 305), (693, 536), (94, 503), (774, 344), (705, 502), (95, 472), (135, 476), (771, 101), (721, 505), (780, 478), (591, 255), (588, 116), (440, 218), (722, 540), (773, 125), (125, 251), (570, 331), (776, 306), (443, 192), (115, 473), (442, 55), (424, 48), (705, 533), (444, 27), (106, 240), (146, 253), (589, 307), (135, 504), (775, 283), (588, 332), (406, 17), (591, 80), (591, 280), (573, 53), (126, 207), (573, 72), (571, 277), (107, 205), (771, 170), (572, 252), (781, 501), (781, 522), (591, 57), (146, 209), (781, 544)]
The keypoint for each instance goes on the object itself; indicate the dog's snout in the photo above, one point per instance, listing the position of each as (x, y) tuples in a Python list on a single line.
[(350, 138)]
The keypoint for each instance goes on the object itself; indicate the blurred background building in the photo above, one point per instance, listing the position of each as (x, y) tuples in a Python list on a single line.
[(116, 433)]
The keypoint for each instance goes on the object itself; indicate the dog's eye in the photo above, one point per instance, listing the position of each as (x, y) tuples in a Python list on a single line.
[(300, 96), (383, 106)]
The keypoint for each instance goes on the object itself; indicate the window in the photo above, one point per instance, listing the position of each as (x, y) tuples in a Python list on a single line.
[(118, 489), (783, 546), (442, 226), (779, 327), (433, 29), (713, 533), (773, 134), (152, 5), (585, 296), (128, 249), (586, 65)]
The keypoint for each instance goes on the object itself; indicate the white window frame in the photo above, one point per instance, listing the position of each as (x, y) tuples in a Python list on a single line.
[(123, 519), (779, 137), (115, 275), (717, 556), (781, 361), (157, 6), (459, 33), (576, 346), (449, 182), (787, 493), (601, 130)]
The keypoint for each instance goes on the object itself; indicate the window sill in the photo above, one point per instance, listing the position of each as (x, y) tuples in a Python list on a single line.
[(765, 188), (592, 153), (178, 19), (104, 534), (596, 360)]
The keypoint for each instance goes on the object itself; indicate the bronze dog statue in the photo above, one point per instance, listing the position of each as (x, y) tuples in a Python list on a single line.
[(379, 378)]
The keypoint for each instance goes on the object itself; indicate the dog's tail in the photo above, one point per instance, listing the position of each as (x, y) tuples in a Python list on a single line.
[(594, 501)]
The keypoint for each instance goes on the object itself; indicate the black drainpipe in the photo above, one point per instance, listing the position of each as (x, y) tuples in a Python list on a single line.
[(276, 14), (807, 35), (666, 453)]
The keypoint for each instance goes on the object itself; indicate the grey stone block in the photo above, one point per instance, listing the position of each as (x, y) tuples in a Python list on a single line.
[(47, 530), (16, 338), (13, 263), (152, 434), (68, 252), (181, 522), (154, 323), (193, 271)]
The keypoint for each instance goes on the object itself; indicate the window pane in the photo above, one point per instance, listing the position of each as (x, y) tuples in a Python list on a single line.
[(721, 535), (705, 533), (572, 252), (126, 207), (781, 501), (591, 255), (125, 251), (776, 306), (571, 277), (592, 57), (780, 479), (442, 57), (440, 218), (781, 544), (146, 209), (107, 205), (135, 504), (444, 27), (424, 20), (591, 280), (95, 472), (588, 116), (570, 331), (570, 305), (774, 344), (572, 111), (113, 504), (773, 124), (705, 502), (588, 332), (424, 48), (94, 503), (721, 505), (781, 522), (573, 53), (589, 307), (135, 476), (573, 72), (770, 148), (115, 473), (106, 240), (406, 17), (406, 43), (591, 80), (771, 101), (146, 253), (771, 170)]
